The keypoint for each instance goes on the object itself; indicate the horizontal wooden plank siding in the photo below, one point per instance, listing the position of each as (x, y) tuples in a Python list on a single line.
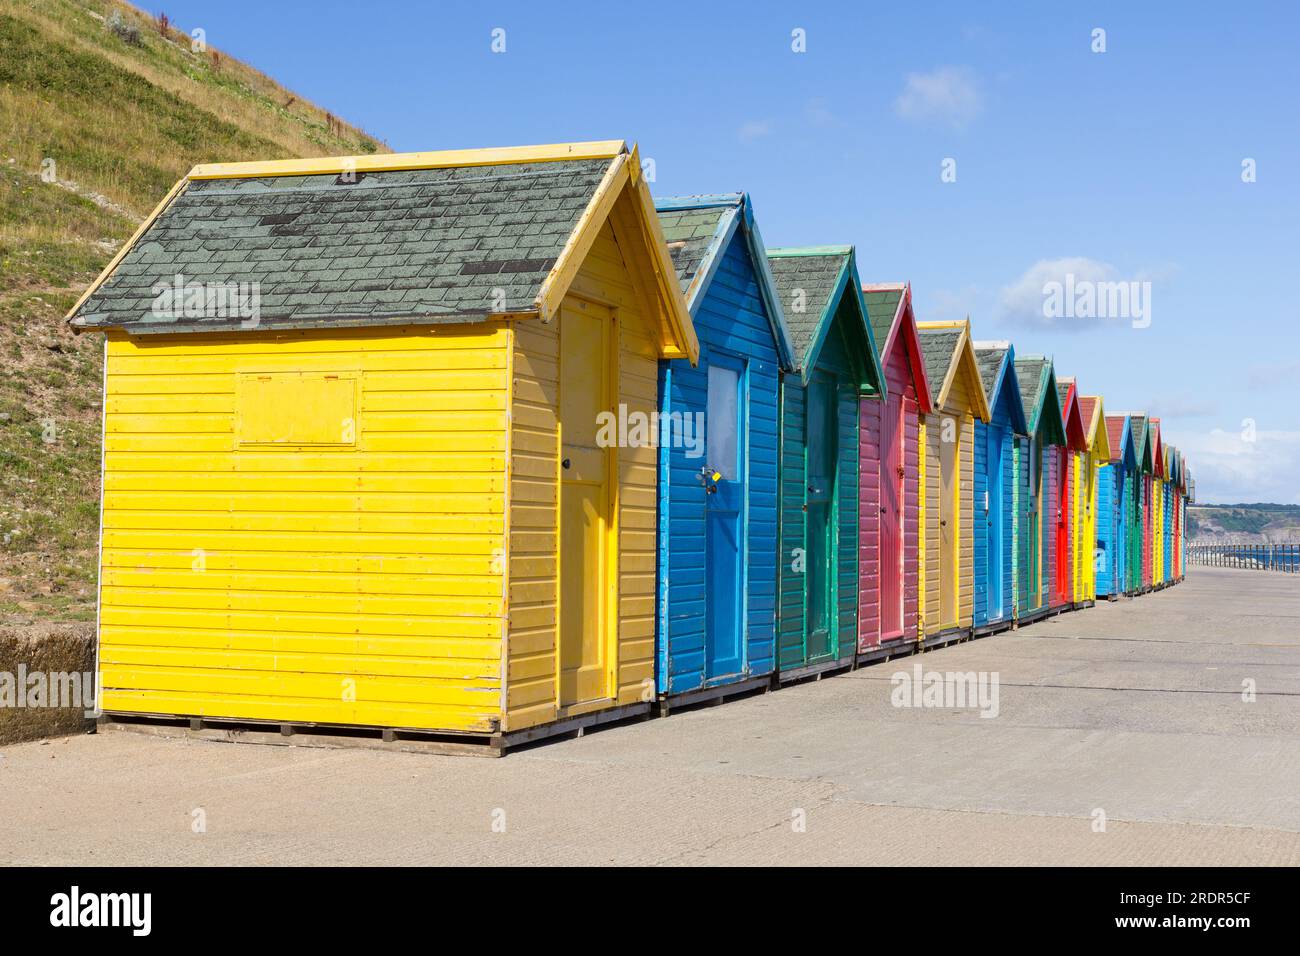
[(731, 321), (605, 279), (351, 573)]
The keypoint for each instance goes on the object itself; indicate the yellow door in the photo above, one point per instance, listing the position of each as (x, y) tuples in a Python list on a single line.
[(584, 505), (949, 575)]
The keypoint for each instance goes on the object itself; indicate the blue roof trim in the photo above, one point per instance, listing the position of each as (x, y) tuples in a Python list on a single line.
[(712, 258), (705, 201), (767, 287), (741, 214), (1128, 452), (1006, 378)]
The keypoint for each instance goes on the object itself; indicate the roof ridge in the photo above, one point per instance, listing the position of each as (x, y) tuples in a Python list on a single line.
[(390, 162), (698, 201), (785, 252)]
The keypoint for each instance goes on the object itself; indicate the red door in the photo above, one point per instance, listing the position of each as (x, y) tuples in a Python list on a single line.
[(1062, 525), (891, 519)]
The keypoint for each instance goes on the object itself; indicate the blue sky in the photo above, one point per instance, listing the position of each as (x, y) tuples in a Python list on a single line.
[(1119, 165)]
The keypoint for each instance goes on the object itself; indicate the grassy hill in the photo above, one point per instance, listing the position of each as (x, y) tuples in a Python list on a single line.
[(102, 109)]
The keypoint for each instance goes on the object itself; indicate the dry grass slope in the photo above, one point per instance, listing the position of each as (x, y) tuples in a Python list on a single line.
[(112, 125)]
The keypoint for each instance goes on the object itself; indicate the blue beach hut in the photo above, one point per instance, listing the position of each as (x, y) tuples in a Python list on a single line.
[(996, 498), (718, 434), (1114, 507)]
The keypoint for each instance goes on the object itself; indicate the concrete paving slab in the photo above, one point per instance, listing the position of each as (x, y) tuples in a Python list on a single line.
[(1133, 709)]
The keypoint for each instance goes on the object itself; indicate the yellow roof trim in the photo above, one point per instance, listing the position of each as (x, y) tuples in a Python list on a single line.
[(1098, 439), (623, 174), (569, 261), (175, 191), (966, 360), (686, 344), (390, 162)]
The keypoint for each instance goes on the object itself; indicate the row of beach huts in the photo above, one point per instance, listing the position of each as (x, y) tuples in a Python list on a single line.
[(483, 446)]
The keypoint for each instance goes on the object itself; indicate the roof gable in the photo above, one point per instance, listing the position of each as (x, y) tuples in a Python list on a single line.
[(1119, 436), (699, 230), (414, 238), (1094, 426), (1157, 448), (1001, 387), (816, 281), (897, 329), (948, 356), (1037, 379), (1141, 441), (1071, 416)]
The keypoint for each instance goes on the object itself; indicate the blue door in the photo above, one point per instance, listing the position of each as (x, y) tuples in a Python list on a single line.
[(726, 479), (996, 436)]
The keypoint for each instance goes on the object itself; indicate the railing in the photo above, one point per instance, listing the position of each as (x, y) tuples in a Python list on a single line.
[(1256, 557)]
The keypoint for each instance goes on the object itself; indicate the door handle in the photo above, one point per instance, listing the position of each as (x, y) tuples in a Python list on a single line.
[(565, 464)]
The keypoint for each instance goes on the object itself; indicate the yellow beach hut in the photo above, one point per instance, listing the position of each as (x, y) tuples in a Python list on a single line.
[(375, 444), (1090, 460), (947, 461)]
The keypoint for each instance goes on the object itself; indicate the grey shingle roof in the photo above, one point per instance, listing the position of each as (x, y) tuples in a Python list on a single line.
[(988, 359), (938, 349), (882, 306), (815, 276), (1138, 426), (688, 233), (426, 244), (1029, 376)]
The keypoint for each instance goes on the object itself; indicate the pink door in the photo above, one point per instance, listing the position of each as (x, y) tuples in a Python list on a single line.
[(891, 520)]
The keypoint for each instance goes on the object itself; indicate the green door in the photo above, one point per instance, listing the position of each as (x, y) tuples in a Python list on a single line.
[(822, 451), (1034, 465)]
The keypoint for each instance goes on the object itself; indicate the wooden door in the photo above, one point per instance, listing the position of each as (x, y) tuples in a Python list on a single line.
[(822, 456), (949, 488), (725, 483), (996, 436), (585, 519), (891, 518)]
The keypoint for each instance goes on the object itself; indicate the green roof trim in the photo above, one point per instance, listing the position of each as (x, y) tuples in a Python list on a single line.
[(814, 281), (1036, 377)]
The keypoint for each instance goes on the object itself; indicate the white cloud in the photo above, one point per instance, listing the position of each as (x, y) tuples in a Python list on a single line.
[(1084, 293), (949, 95), (1228, 467), (751, 130)]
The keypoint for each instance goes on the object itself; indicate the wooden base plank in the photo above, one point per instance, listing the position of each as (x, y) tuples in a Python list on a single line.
[(717, 694)]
